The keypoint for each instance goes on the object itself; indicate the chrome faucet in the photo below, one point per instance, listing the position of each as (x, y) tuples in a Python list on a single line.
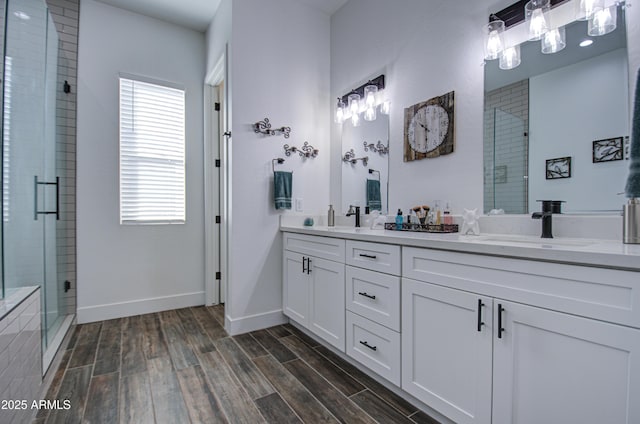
[(356, 213), (549, 207)]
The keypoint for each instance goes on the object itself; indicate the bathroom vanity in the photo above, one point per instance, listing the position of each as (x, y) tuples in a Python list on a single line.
[(488, 329)]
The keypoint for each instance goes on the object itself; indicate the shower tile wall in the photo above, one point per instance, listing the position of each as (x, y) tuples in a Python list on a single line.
[(65, 14), (510, 148)]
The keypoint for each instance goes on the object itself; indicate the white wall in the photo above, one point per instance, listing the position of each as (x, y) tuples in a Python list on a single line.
[(595, 85), (280, 70), (125, 270)]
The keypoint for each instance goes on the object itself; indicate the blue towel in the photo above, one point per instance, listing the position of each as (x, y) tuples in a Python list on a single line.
[(373, 195), (282, 184), (633, 180)]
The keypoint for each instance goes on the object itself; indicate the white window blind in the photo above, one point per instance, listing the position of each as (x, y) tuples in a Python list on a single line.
[(152, 143)]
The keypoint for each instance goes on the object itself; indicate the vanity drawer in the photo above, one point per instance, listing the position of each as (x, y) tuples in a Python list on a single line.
[(374, 346), (374, 295), (374, 256), (320, 247), (606, 294)]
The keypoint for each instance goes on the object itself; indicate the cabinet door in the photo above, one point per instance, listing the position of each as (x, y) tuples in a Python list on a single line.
[(295, 288), (446, 354), (552, 367), (327, 311)]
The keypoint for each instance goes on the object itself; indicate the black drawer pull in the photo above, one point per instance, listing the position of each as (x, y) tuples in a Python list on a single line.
[(480, 323), (368, 256), (368, 345), (308, 265), (500, 328), (365, 294)]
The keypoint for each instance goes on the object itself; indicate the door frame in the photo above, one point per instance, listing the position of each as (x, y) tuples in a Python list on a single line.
[(216, 183)]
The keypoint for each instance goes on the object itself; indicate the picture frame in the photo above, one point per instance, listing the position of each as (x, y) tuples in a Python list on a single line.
[(608, 150), (429, 128), (558, 168)]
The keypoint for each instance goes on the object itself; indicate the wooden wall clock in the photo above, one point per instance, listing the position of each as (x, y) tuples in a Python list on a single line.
[(429, 128)]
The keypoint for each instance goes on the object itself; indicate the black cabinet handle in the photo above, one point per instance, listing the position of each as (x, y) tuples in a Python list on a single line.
[(308, 266), (303, 261), (368, 256), (500, 329), (365, 294), (368, 345), (480, 323)]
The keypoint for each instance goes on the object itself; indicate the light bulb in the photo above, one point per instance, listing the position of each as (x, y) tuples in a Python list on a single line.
[(370, 113), (553, 41), (354, 103), (536, 17), (494, 39), (340, 112), (355, 119), (370, 92), (587, 8), (510, 57), (603, 21)]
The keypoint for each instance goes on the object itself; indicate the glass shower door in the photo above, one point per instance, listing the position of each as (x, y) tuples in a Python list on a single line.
[(28, 156)]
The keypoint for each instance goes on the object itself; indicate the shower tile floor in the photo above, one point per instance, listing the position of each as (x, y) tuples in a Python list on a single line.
[(180, 366)]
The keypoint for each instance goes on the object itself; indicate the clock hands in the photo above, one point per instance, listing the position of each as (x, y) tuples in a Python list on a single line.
[(427, 129)]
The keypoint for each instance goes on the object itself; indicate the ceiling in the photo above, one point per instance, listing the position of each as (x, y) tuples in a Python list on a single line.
[(197, 14)]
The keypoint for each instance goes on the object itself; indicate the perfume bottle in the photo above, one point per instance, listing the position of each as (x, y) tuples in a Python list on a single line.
[(448, 218), (399, 220)]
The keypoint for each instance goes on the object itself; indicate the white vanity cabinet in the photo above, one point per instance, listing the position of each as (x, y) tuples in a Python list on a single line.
[(314, 285), (481, 343), (373, 307)]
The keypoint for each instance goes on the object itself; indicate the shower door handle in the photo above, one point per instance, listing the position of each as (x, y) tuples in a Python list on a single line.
[(36, 184)]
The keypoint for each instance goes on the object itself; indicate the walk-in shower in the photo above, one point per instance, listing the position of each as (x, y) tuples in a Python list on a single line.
[(31, 188)]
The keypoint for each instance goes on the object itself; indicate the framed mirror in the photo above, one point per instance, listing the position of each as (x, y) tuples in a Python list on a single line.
[(365, 165), (556, 126)]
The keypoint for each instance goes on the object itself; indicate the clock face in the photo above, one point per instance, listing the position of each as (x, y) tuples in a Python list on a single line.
[(428, 128)]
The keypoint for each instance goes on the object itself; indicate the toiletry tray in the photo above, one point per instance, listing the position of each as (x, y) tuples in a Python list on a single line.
[(424, 228)]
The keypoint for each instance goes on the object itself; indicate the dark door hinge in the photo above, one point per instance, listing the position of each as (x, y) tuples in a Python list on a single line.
[(218, 219), (227, 134), (217, 163), (67, 286), (216, 106), (218, 275)]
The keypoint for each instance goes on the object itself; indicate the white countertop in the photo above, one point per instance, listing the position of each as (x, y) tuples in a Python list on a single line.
[(590, 252)]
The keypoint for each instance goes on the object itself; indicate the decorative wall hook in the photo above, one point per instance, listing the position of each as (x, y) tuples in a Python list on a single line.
[(264, 127), (350, 157), (376, 148), (306, 151)]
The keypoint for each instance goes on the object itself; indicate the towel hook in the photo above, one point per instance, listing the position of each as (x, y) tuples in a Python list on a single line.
[(371, 171), (273, 163)]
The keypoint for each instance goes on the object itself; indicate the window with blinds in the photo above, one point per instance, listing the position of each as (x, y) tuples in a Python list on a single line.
[(152, 151)]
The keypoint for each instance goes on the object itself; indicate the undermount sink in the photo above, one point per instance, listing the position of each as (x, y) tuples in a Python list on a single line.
[(534, 241)]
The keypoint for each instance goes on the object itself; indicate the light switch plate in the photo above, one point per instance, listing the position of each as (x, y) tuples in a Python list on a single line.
[(299, 204)]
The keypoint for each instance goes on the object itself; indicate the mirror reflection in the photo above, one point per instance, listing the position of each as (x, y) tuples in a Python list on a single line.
[(365, 165), (572, 104)]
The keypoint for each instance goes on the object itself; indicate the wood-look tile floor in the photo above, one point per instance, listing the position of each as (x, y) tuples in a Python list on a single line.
[(181, 366)]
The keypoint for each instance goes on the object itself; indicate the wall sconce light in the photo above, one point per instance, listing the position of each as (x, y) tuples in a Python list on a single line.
[(537, 18), (603, 21), (366, 98)]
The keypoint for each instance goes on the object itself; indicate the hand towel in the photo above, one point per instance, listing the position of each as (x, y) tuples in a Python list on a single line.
[(632, 188), (283, 183), (373, 195)]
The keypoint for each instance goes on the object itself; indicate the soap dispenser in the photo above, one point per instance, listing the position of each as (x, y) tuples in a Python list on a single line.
[(331, 217), (399, 220)]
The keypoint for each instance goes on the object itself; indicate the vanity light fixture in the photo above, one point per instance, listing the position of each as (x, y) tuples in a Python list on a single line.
[(553, 41), (366, 98), (536, 14), (494, 39), (603, 21)]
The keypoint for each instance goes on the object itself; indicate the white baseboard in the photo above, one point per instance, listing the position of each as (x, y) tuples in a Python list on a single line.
[(137, 307), (235, 326)]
